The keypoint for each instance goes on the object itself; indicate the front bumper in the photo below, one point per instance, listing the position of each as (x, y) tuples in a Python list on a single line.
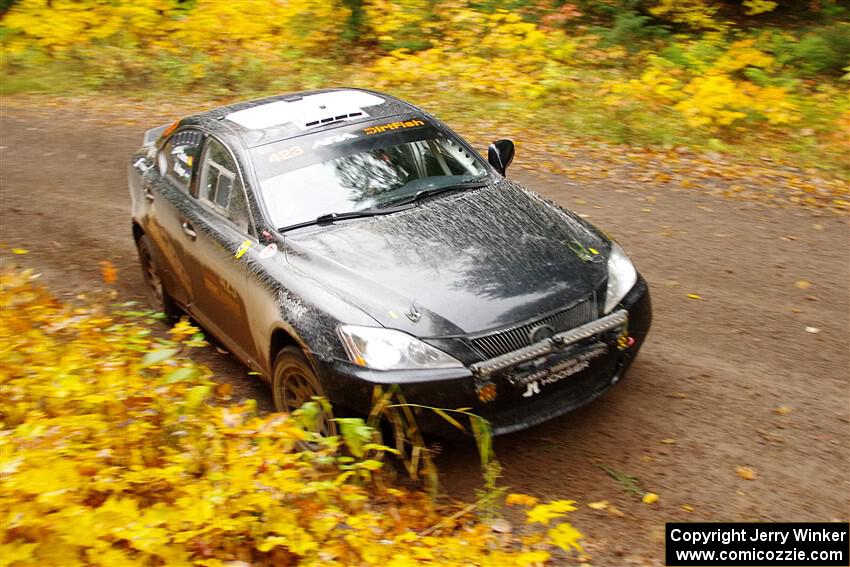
[(518, 403)]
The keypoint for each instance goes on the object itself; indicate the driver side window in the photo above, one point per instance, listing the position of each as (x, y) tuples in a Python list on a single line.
[(178, 157), (220, 186)]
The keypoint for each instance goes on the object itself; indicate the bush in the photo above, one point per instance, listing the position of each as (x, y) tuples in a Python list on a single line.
[(826, 52), (630, 28), (118, 450)]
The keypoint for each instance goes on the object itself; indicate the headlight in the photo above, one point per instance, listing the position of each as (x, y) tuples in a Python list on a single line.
[(387, 349), (621, 277)]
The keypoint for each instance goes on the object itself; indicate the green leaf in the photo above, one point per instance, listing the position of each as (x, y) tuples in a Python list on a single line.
[(379, 447), (355, 433), (181, 374), (449, 418), (157, 356), (308, 415), (371, 464), (195, 396)]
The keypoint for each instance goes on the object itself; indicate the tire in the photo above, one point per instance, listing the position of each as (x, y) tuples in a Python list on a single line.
[(294, 382), (156, 294)]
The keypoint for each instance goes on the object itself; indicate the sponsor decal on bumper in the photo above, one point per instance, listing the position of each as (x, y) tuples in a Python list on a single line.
[(536, 379)]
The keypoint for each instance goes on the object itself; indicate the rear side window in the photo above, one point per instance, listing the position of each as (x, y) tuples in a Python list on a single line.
[(179, 156), (221, 187)]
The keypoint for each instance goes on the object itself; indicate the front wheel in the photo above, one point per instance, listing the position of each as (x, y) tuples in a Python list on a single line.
[(294, 382)]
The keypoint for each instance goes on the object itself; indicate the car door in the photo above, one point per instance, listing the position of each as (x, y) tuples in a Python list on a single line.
[(166, 190), (219, 223)]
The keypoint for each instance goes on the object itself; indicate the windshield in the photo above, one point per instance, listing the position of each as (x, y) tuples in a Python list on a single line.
[(356, 168)]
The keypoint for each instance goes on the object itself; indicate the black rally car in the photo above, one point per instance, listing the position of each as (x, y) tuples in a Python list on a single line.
[(338, 239)]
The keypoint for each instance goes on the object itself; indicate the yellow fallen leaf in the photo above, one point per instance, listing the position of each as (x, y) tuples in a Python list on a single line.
[(601, 505), (616, 512), (669, 441), (520, 500), (542, 513), (782, 410), (746, 473), (687, 508), (108, 272), (694, 296), (20, 251), (566, 537), (649, 498), (803, 284)]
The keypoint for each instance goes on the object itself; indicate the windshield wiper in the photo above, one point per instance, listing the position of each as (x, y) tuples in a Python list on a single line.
[(330, 218), (476, 183)]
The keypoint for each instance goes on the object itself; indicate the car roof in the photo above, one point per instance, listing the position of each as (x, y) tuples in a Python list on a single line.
[(266, 120)]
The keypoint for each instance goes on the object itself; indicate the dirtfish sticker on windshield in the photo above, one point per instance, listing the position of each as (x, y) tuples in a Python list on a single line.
[(392, 126), (333, 140)]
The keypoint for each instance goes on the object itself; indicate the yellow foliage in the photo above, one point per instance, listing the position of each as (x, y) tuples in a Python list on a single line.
[(711, 98), (657, 85), (260, 27), (696, 14), (393, 20), (755, 7), (118, 450), (213, 34), (496, 54), (59, 25), (742, 54)]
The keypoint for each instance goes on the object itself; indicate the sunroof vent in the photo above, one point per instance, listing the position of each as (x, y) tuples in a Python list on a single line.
[(329, 119)]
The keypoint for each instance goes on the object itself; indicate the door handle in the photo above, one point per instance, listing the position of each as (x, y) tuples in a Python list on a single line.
[(189, 230), (148, 193)]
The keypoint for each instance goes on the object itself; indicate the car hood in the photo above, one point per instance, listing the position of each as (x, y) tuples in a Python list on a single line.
[(457, 264)]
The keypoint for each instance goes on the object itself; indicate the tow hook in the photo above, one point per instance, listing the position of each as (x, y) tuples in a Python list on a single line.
[(625, 341)]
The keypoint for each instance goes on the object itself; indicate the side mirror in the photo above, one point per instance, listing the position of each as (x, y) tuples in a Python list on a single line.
[(500, 154)]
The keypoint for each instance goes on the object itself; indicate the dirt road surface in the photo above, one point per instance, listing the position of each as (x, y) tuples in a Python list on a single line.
[(730, 380)]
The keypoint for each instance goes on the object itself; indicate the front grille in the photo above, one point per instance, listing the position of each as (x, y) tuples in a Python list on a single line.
[(508, 340)]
